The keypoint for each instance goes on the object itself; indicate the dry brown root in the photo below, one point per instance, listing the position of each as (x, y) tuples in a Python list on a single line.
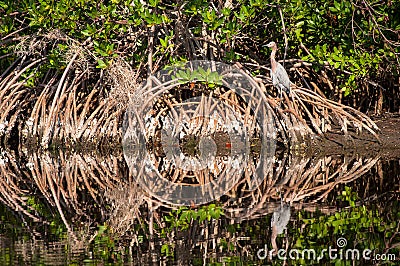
[(304, 113), (63, 108), (326, 114), (68, 108)]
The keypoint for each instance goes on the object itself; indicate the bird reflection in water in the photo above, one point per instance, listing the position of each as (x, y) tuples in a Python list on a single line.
[(280, 218)]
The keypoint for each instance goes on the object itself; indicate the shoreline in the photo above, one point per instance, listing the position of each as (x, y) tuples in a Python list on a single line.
[(389, 148)]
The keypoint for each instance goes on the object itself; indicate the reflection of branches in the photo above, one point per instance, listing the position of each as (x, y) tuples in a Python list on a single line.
[(12, 190), (125, 202), (72, 184), (297, 178), (300, 180), (95, 189)]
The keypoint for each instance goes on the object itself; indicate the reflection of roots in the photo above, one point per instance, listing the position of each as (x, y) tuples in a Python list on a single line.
[(176, 119), (301, 181), (90, 188), (189, 145), (210, 126), (125, 203), (72, 192)]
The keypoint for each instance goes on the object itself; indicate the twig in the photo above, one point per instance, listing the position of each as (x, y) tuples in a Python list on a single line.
[(150, 48), (284, 33)]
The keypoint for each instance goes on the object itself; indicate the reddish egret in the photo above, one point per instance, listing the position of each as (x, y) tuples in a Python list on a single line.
[(280, 218), (280, 78)]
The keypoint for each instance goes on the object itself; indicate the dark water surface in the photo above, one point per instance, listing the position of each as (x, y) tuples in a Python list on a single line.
[(68, 208)]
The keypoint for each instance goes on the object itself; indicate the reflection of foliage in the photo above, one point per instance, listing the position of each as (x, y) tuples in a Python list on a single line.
[(105, 245), (354, 223), (372, 225), (348, 196), (183, 217), (362, 225), (57, 227)]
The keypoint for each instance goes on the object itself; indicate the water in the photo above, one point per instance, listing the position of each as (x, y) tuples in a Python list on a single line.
[(66, 208)]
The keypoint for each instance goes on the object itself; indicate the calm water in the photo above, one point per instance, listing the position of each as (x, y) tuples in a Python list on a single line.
[(67, 208)]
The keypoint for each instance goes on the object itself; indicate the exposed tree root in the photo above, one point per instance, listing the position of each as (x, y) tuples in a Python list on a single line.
[(81, 104)]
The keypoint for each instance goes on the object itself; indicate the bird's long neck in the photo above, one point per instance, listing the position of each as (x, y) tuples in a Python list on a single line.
[(273, 61)]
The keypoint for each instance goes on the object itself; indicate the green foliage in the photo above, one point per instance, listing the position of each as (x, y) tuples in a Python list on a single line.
[(208, 77), (348, 196), (181, 219), (354, 41), (56, 56), (353, 38), (103, 21)]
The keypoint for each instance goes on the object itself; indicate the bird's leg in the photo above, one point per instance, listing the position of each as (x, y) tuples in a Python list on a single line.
[(281, 89), (279, 96)]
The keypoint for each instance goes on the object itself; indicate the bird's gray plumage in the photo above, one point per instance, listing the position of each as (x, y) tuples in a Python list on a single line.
[(279, 76), (280, 218)]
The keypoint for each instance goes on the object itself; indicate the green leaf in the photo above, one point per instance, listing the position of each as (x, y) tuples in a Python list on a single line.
[(101, 64), (164, 43)]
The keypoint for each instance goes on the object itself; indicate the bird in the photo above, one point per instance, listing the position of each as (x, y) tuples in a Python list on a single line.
[(280, 78), (280, 218)]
